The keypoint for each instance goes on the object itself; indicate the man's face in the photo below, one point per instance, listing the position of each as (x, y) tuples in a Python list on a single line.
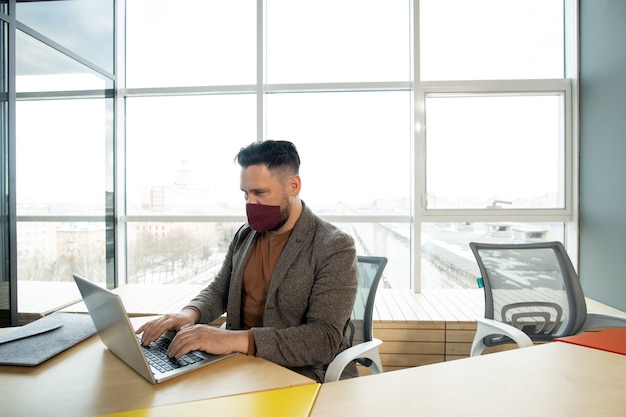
[(261, 187), (277, 188)]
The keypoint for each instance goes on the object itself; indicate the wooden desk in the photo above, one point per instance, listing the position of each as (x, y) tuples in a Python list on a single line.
[(554, 379), (89, 380)]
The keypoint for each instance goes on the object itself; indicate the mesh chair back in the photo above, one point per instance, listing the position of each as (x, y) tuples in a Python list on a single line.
[(370, 271), (533, 287)]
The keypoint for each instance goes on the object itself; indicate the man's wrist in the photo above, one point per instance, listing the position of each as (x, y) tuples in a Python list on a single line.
[(191, 312), (251, 347)]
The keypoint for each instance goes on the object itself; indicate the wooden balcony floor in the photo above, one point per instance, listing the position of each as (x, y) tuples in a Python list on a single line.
[(417, 329), (38, 298)]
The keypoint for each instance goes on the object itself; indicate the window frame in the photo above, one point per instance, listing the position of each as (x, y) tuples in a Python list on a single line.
[(487, 88), (569, 85), (419, 213)]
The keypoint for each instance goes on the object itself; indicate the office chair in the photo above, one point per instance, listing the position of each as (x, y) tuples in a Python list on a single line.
[(532, 294), (363, 346)]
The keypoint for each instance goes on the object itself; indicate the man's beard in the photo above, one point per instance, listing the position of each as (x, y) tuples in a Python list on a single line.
[(284, 214)]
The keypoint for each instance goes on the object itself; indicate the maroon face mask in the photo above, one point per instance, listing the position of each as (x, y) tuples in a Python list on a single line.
[(263, 218)]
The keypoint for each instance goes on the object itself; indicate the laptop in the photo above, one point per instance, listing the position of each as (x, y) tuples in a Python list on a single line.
[(116, 331)]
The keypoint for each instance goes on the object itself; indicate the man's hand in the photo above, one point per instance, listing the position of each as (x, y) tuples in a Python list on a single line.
[(152, 330), (208, 339)]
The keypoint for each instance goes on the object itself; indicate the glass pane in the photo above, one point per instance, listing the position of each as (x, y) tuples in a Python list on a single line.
[(41, 68), (177, 253), (61, 159), (448, 262), (194, 42), (491, 39), (355, 148), (48, 254), (391, 240), (54, 251), (338, 41), (184, 164), (84, 27), (494, 152)]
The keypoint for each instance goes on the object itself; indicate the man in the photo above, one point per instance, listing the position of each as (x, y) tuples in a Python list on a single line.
[(288, 281)]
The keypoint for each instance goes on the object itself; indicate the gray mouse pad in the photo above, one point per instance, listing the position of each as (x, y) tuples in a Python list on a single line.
[(42, 339)]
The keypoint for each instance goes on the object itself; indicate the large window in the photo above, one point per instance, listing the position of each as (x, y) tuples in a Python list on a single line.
[(493, 127), (422, 125), (63, 169), (333, 77)]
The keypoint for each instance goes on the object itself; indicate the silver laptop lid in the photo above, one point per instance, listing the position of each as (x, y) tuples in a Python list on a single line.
[(112, 323), (117, 333)]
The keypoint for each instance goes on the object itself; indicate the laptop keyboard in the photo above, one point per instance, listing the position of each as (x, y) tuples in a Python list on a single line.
[(156, 355)]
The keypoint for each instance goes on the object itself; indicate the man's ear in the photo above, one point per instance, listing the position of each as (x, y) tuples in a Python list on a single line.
[(294, 183)]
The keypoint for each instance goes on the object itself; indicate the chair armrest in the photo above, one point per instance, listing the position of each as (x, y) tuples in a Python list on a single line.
[(367, 350), (488, 327), (596, 320)]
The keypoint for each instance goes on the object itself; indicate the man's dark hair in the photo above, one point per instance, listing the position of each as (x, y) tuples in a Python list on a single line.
[(273, 153)]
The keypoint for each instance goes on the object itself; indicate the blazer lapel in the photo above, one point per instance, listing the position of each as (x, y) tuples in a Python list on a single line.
[(300, 234)]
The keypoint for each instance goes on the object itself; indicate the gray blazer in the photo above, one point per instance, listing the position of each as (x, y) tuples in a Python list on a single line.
[(309, 301)]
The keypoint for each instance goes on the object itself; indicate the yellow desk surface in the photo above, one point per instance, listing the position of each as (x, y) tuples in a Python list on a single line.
[(554, 379), (282, 402), (88, 380)]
